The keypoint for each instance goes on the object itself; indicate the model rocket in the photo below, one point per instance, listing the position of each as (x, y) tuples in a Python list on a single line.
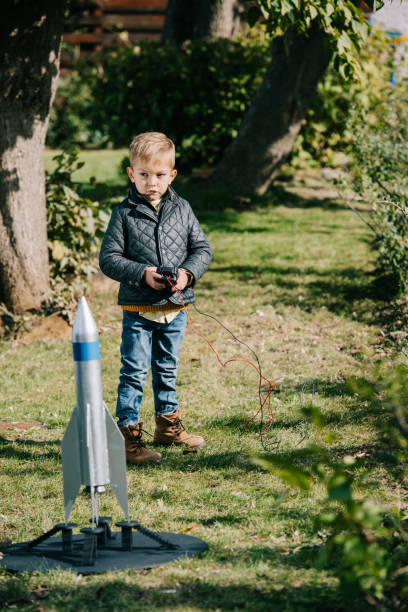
[(93, 449)]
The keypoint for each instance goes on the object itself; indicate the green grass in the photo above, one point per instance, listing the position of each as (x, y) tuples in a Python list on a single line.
[(104, 165), (101, 177), (291, 277)]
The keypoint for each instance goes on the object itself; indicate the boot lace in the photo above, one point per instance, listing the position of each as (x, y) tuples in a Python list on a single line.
[(178, 425), (136, 439)]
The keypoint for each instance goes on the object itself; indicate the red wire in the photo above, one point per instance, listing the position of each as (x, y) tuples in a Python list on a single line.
[(269, 386)]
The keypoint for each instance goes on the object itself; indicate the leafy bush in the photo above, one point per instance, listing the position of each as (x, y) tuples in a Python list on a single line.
[(368, 121), (379, 175), (197, 95), (367, 544), (75, 227), (326, 130), (69, 119)]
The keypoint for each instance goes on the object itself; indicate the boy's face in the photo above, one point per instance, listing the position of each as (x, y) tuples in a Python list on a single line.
[(151, 177)]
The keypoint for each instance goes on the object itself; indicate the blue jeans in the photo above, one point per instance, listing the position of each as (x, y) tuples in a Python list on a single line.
[(148, 344)]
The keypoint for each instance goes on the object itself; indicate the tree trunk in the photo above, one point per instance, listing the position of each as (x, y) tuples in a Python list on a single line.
[(273, 121), (209, 19), (30, 34)]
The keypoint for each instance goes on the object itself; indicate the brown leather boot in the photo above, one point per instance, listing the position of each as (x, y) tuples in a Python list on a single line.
[(136, 451), (170, 430)]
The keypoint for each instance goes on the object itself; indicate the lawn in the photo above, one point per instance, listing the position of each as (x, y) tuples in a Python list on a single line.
[(291, 277), (103, 165)]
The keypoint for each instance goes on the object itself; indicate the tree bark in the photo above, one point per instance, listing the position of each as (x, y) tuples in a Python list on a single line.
[(267, 133), (208, 19), (30, 34)]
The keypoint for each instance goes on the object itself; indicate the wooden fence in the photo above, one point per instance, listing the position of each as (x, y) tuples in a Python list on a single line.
[(95, 24)]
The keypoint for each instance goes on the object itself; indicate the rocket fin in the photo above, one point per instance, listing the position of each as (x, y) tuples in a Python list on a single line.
[(71, 464), (117, 462)]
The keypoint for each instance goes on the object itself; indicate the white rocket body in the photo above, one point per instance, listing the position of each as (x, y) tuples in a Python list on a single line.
[(93, 449)]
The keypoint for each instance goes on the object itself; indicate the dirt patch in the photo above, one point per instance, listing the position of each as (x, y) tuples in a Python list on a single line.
[(50, 328), (21, 425), (54, 326)]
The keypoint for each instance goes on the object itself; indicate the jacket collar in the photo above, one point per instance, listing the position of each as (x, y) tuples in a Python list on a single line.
[(135, 198)]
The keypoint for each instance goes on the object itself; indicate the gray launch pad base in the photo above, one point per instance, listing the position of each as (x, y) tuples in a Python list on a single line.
[(144, 553)]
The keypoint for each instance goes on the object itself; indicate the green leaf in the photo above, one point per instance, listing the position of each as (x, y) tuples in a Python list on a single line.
[(347, 14), (58, 250), (374, 5), (314, 414), (339, 488), (327, 518), (344, 70), (362, 387), (285, 7), (285, 470), (296, 478)]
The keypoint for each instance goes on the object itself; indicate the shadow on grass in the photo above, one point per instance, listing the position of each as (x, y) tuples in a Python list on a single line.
[(205, 198), (208, 460), (269, 435), (326, 388), (360, 410), (198, 593), (17, 449), (379, 451), (221, 211), (304, 393), (294, 200), (301, 557), (238, 423), (221, 519), (342, 291)]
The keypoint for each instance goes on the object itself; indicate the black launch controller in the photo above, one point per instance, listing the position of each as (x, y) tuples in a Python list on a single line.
[(169, 274)]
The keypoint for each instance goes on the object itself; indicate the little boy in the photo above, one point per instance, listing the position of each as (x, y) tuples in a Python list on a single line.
[(153, 227)]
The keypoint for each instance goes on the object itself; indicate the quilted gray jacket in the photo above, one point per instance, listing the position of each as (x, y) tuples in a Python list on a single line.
[(138, 237)]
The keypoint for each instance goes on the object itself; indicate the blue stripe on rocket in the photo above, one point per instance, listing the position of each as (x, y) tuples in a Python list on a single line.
[(86, 351)]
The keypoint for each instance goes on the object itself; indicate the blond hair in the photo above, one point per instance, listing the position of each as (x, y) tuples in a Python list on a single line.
[(150, 145)]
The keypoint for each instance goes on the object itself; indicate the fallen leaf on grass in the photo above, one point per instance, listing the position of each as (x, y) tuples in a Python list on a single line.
[(190, 527), (295, 535), (41, 593)]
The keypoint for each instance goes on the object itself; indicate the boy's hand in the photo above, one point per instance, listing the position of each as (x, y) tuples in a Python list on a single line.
[(153, 279), (182, 280)]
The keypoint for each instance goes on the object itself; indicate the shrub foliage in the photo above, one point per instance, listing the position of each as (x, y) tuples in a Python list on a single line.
[(326, 130), (75, 227), (365, 543), (197, 95), (380, 177)]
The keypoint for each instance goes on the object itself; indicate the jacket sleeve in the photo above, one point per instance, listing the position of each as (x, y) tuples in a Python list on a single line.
[(112, 260), (199, 250)]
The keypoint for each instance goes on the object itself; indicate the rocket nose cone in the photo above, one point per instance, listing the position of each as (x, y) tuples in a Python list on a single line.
[(84, 328)]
